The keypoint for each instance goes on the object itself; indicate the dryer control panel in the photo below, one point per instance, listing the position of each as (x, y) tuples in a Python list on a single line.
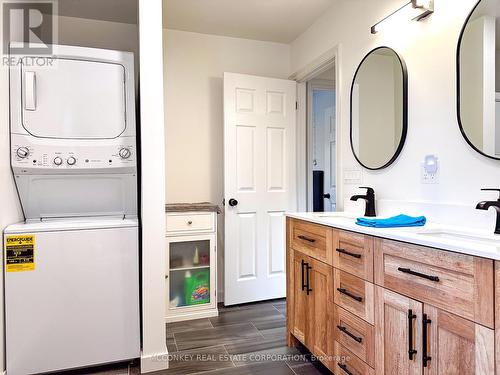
[(73, 157)]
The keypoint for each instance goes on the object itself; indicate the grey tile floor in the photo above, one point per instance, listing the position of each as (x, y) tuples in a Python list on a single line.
[(242, 340)]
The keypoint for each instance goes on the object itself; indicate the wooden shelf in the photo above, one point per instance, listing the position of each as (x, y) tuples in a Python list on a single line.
[(189, 268)]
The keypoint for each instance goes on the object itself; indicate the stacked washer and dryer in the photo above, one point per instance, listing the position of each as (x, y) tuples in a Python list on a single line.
[(72, 268)]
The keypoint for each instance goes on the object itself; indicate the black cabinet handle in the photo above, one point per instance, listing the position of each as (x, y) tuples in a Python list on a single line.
[(411, 351), (342, 251), (308, 281), (425, 358), (304, 238), (344, 368), (418, 274), (349, 294), (303, 278), (355, 338)]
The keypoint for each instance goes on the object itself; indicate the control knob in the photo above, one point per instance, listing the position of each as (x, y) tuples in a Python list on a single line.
[(22, 152), (125, 153), (58, 160), (71, 160)]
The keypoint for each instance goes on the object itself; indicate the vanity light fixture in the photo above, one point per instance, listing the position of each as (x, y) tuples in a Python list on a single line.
[(415, 10)]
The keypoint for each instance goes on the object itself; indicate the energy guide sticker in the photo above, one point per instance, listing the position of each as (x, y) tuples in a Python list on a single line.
[(20, 253)]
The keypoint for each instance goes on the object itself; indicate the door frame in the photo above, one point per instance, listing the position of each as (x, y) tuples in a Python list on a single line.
[(312, 85), (308, 72)]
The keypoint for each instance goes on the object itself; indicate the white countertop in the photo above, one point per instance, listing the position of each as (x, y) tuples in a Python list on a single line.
[(483, 243)]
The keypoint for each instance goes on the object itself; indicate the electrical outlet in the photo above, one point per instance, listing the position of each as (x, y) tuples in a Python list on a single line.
[(430, 170), (429, 178)]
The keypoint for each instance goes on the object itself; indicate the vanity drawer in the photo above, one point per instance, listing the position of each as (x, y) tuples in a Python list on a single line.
[(190, 222), (354, 254), (313, 240), (354, 334), (354, 295), (346, 362), (457, 283)]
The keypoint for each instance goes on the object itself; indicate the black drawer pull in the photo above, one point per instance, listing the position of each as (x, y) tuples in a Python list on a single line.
[(308, 279), (425, 357), (355, 338), (349, 294), (303, 264), (342, 251), (304, 238), (411, 351), (344, 368), (418, 274)]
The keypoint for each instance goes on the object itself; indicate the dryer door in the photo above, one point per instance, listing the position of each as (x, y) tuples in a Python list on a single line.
[(74, 99)]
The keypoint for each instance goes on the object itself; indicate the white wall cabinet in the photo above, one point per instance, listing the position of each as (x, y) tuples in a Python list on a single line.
[(191, 267)]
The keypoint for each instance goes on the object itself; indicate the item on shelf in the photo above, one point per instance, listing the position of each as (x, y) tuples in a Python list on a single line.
[(204, 260), (197, 287), (196, 257), (176, 262), (176, 302)]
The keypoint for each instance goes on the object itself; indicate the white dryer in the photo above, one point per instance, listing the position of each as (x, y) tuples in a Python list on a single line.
[(72, 268)]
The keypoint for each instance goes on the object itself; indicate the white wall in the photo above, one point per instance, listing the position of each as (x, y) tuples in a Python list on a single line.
[(194, 122), (429, 48), (98, 34), (154, 339), (194, 66)]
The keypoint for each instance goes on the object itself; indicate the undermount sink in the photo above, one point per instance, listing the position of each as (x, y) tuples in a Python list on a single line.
[(460, 236), (335, 215)]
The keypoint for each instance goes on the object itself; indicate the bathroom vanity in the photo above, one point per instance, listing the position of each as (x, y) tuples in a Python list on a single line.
[(392, 301)]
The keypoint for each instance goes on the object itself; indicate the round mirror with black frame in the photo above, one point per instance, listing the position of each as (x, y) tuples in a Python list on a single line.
[(478, 79), (379, 108)]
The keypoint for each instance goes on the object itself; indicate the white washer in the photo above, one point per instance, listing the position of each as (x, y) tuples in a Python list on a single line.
[(79, 306), (72, 278)]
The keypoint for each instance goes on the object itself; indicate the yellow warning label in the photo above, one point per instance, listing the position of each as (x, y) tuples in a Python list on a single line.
[(20, 253)]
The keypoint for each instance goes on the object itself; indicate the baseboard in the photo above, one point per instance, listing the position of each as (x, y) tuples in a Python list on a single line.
[(192, 315), (154, 362)]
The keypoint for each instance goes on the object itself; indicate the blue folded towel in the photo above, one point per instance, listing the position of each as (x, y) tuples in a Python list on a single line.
[(393, 222)]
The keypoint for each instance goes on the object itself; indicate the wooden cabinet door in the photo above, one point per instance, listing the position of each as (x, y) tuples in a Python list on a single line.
[(398, 329), (301, 310), (321, 307), (455, 345)]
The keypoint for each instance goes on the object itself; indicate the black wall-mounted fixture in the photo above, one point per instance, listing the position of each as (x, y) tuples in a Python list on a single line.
[(415, 10), (485, 205), (369, 198)]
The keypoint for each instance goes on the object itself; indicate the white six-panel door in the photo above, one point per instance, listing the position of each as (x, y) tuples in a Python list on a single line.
[(259, 173)]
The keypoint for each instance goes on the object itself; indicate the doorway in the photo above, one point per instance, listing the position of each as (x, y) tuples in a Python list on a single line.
[(321, 142)]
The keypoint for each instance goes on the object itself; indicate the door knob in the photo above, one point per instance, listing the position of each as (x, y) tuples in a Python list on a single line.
[(326, 196), (233, 202)]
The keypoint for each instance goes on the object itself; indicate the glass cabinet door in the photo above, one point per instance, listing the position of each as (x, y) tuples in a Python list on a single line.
[(189, 273)]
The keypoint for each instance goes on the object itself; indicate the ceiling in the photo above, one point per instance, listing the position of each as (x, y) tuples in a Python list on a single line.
[(124, 11), (271, 20)]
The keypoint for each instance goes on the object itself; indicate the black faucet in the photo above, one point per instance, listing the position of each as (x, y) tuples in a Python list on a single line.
[(369, 198), (485, 205)]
